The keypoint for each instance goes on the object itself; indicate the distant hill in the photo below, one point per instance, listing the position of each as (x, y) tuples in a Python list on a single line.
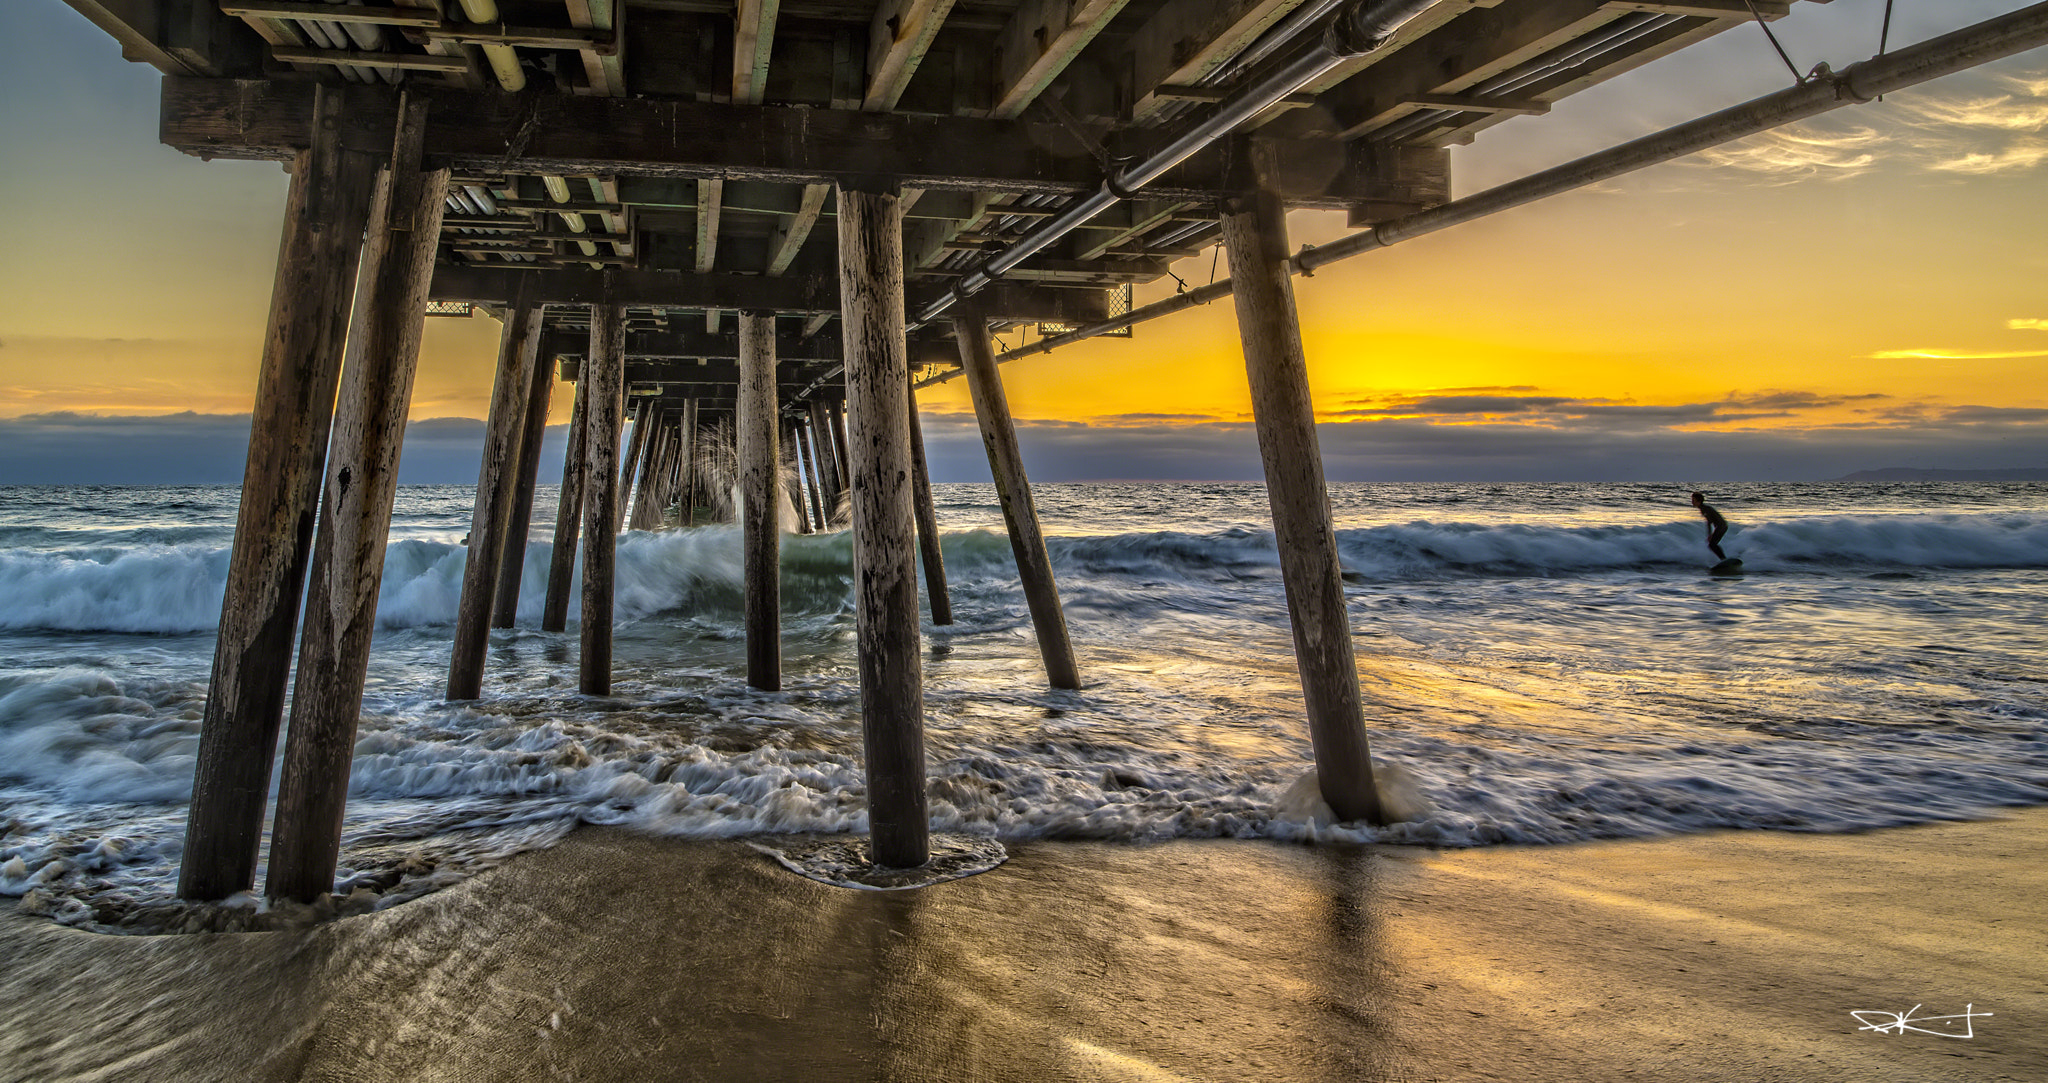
[(1908, 473)]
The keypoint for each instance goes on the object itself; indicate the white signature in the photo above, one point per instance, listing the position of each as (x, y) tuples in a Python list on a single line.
[(1901, 1022)]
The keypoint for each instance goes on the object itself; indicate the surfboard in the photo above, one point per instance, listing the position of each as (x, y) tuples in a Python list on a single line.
[(1731, 566)]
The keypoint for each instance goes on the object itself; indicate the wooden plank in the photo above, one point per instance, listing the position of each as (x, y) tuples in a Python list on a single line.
[(326, 209), (1041, 40), (1742, 10), (708, 194), (355, 518), (137, 25), (600, 42), (898, 38)]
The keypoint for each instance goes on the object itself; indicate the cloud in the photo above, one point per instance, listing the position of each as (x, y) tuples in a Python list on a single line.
[(190, 448), (1956, 355), (1975, 125), (2027, 324)]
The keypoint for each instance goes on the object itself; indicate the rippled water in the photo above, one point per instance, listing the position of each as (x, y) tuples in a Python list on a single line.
[(1540, 664)]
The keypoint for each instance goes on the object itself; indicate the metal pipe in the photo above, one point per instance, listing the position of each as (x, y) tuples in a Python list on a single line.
[(1360, 28), (1982, 43)]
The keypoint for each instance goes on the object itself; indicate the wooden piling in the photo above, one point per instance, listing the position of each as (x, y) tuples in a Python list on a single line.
[(831, 478), (568, 515), (605, 373), (324, 216), (496, 484), (686, 465), (1013, 490), (650, 443), (806, 449), (512, 570), (792, 468), (885, 586), (841, 457), (355, 515), (1255, 235), (643, 411), (761, 499), (927, 521)]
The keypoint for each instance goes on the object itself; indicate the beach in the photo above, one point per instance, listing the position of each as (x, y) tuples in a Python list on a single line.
[(620, 956)]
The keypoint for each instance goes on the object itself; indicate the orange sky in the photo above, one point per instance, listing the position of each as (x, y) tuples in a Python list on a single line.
[(1879, 265)]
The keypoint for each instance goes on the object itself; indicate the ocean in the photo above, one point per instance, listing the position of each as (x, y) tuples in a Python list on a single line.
[(1541, 664)]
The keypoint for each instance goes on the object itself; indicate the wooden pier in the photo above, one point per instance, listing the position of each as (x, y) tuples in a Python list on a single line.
[(774, 220)]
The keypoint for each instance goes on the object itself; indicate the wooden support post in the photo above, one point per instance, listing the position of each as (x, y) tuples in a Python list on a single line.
[(832, 478), (760, 499), (1013, 489), (807, 450), (568, 515), (512, 570), (491, 517), (650, 433), (1255, 235), (885, 583), (686, 467), (793, 470), (324, 217), (643, 412), (841, 458), (355, 515), (928, 522), (606, 374)]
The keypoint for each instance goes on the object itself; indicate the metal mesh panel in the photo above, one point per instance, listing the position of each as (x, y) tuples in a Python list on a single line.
[(1119, 304)]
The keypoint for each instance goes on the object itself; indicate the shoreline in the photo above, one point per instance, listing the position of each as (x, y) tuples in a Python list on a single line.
[(618, 956)]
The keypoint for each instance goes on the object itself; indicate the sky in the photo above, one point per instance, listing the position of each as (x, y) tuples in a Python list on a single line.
[(1861, 291)]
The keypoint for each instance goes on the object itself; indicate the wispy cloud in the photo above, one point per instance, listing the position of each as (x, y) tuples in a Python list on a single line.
[(1955, 355), (2027, 324), (1986, 125)]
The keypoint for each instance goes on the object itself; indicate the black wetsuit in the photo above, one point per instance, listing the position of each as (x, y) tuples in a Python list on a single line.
[(1716, 527)]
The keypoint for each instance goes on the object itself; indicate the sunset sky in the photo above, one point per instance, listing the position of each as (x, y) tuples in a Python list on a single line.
[(1862, 291)]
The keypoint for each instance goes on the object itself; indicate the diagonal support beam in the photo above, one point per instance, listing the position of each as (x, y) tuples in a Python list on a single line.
[(1043, 38), (898, 37)]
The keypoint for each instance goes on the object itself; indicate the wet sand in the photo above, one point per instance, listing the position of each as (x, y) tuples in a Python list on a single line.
[(620, 957)]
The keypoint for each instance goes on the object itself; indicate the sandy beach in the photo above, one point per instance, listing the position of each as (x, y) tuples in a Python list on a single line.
[(616, 956)]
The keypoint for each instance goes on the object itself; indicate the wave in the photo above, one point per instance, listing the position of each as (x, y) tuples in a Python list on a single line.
[(178, 588)]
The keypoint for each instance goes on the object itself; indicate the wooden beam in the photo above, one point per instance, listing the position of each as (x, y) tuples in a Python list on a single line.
[(606, 71), (792, 231), (753, 40), (600, 42), (1741, 10), (354, 58), (1190, 40), (788, 294), (1468, 103), (626, 137), (708, 195), (511, 572), (374, 15), (1041, 40), (898, 38), (138, 26), (568, 518)]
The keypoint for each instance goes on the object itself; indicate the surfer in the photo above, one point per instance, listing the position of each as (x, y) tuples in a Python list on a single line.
[(1716, 526)]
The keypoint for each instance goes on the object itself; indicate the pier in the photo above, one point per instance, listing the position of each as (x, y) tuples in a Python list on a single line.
[(766, 225)]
